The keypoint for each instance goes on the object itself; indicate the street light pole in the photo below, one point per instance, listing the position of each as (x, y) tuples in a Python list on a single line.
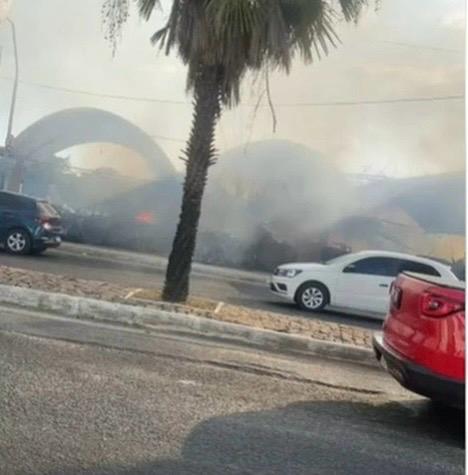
[(15, 180), (9, 135)]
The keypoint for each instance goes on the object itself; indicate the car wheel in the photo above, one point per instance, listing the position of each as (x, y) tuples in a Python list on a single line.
[(312, 296), (18, 242)]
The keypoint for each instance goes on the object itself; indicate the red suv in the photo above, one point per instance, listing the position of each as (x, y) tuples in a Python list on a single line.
[(423, 341)]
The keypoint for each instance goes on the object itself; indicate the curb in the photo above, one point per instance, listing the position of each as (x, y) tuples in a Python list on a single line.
[(162, 320)]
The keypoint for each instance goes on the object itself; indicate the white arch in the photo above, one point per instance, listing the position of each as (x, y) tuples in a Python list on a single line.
[(70, 127)]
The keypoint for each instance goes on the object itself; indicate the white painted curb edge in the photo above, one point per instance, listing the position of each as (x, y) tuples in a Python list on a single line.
[(151, 318)]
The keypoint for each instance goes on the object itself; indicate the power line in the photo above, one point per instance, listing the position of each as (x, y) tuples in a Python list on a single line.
[(421, 46), (297, 104), (169, 139), (98, 94), (399, 100)]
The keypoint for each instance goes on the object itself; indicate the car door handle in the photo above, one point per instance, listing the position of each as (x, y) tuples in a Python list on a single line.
[(384, 286)]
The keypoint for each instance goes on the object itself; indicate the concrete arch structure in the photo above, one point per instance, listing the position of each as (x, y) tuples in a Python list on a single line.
[(61, 130)]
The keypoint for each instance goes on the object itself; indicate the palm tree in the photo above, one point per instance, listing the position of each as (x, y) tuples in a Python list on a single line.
[(220, 41)]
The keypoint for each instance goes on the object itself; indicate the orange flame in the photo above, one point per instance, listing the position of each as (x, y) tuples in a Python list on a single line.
[(145, 217)]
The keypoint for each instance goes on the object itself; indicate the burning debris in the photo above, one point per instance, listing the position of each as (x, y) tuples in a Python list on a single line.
[(145, 217), (275, 203)]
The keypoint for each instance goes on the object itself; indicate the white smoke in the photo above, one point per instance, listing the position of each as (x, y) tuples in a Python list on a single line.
[(281, 186), (5, 7)]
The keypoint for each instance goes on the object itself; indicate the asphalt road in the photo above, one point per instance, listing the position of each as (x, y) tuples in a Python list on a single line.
[(83, 398), (227, 289)]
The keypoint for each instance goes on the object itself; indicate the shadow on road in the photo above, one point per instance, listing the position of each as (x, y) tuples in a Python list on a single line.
[(322, 437), (289, 309)]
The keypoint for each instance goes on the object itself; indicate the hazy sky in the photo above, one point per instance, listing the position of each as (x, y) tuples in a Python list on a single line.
[(408, 48)]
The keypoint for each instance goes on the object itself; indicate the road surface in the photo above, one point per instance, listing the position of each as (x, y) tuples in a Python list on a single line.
[(221, 284), (84, 398)]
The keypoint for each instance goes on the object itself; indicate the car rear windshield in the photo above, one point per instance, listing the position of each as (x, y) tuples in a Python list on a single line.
[(417, 267), (47, 209)]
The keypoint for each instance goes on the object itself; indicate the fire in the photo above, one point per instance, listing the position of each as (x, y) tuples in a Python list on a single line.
[(145, 217)]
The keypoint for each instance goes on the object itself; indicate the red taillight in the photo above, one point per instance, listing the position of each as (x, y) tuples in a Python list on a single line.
[(46, 222), (437, 303)]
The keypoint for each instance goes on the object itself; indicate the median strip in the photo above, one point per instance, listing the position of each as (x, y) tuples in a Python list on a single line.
[(80, 298)]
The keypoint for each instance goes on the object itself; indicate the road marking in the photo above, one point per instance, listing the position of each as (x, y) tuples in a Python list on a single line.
[(188, 382), (132, 293)]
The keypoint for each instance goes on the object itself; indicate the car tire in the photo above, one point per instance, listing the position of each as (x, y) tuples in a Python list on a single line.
[(312, 296), (18, 242)]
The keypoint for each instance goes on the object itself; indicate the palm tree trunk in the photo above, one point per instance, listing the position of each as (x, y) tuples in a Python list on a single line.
[(199, 155)]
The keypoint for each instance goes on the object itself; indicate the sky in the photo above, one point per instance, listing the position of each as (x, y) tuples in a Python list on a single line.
[(404, 49)]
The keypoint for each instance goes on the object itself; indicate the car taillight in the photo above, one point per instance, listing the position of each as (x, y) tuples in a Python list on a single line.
[(435, 304), (45, 222)]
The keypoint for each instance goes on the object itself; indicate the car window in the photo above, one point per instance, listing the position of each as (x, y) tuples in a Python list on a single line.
[(3, 200), (13, 202), (8, 201), (418, 267), (383, 266), (47, 209)]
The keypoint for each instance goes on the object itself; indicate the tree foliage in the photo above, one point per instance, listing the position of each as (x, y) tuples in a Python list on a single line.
[(240, 35)]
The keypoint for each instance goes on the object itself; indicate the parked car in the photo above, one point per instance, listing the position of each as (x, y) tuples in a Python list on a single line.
[(359, 281), (27, 225), (423, 340)]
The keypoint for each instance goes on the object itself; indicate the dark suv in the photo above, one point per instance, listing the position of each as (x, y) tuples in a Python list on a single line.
[(27, 225)]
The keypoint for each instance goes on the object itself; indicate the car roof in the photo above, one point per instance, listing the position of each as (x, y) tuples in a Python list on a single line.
[(399, 255), (17, 195)]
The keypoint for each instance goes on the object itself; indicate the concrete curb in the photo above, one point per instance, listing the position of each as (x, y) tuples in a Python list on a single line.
[(162, 320)]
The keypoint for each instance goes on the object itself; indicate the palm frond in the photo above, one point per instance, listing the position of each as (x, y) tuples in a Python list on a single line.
[(352, 8), (310, 27), (146, 7), (233, 20), (167, 36), (237, 36)]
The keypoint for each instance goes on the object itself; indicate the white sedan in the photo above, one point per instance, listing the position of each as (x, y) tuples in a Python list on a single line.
[(359, 281)]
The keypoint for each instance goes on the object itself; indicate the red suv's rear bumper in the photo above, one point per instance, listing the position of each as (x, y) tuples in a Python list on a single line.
[(417, 378)]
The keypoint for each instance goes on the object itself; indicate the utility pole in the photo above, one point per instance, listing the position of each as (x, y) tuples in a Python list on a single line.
[(15, 181), (15, 84)]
